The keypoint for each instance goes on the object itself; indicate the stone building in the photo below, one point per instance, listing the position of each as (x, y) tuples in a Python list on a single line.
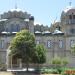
[(57, 39)]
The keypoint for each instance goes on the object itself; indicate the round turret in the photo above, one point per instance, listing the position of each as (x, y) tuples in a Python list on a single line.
[(31, 18), (68, 15)]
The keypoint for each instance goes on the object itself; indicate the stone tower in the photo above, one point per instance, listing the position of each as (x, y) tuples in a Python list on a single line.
[(68, 21)]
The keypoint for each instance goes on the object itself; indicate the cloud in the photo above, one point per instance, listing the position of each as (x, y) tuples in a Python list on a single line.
[(35, 23)]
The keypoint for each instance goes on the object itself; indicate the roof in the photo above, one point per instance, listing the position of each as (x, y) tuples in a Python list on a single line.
[(37, 32), (57, 32), (4, 32), (14, 32), (3, 20), (46, 32), (68, 8), (27, 20), (16, 9)]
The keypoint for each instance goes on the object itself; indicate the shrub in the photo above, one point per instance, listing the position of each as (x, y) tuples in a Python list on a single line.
[(49, 71), (64, 62), (56, 61)]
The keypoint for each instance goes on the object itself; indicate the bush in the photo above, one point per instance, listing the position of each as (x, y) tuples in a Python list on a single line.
[(49, 71), (56, 61), (64, 62), (59, 70), (3, 67), (54, 71), (68, 71), (37, 70)]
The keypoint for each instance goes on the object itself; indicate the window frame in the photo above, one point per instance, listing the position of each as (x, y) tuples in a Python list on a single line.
[(60, 43), (50, 43), (37, 42), (72, 43)]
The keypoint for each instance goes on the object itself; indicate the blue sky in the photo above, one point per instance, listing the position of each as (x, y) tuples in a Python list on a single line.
[(44, 11)]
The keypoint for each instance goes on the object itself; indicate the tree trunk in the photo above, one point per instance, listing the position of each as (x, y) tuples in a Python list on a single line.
[(27, 66)]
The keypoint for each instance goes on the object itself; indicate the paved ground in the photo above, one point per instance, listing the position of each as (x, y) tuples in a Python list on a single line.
[(6, 73), (17, 73), (22, 73)]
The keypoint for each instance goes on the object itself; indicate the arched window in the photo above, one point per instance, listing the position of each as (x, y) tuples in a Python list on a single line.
[(60, 44), (72, 43), (15, 27), (49, 43), (72, 18)]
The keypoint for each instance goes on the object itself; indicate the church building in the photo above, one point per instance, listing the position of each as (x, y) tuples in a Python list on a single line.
[(57, 39)]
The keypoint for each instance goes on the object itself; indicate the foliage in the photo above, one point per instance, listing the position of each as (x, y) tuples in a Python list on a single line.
[(58, 61), (68, 71), (64, 62), (23, 45), (62, 70), (49, 71), (73, 50), (40, 56)]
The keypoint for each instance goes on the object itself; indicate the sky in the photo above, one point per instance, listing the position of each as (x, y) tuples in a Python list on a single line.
[(44, 11)]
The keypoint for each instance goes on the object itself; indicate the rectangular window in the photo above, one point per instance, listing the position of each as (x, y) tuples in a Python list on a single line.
[(1, 43), (60, 44), (73, 16), (72, 43), (70, 16), (49, 43), (37, 42), (72, 31), (15, 28)]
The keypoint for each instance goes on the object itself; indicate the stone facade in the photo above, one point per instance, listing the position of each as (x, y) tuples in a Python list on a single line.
[(57, 39)]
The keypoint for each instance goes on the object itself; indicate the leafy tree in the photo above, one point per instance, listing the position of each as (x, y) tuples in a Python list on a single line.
[(40, 54), (23, 46)]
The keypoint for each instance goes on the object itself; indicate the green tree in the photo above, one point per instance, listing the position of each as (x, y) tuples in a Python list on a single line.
[(40, 54), (23, 46)]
